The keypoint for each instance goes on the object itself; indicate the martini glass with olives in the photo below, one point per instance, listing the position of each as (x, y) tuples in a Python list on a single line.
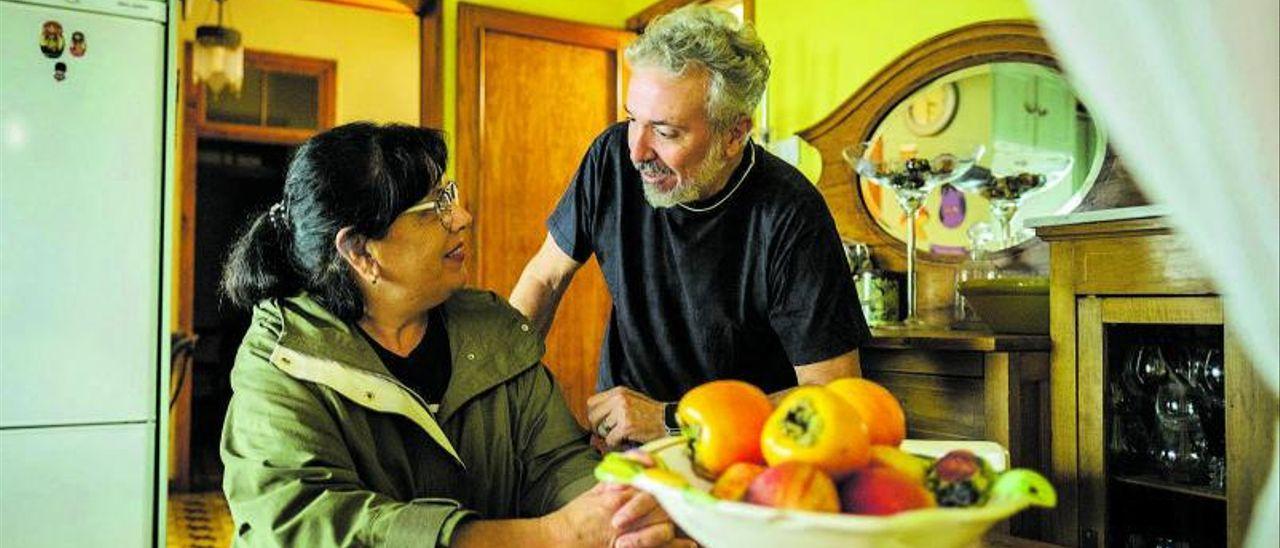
[(911, 179), (1014, 176)]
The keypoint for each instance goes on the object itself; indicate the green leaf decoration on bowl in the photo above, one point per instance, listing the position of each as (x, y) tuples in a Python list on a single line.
[(1020, 485)]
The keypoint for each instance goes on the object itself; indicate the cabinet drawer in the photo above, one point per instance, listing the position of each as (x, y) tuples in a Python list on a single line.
[(923, 362), (937, 406), (1137, 264)]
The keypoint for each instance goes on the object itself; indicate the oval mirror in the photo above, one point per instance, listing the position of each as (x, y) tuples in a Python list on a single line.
[(1015, 110)]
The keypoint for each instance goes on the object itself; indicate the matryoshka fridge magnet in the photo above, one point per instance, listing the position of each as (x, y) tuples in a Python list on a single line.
[(51, 39), (60, 71), (78, 45)]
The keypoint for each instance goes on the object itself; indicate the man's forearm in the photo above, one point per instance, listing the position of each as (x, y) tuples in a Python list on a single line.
[(537, 299), (845, 365)]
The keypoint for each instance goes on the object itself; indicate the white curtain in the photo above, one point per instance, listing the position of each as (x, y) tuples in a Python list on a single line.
[(1190, 93)]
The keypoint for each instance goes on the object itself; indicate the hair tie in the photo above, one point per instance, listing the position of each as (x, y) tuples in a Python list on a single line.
[(278, 215)]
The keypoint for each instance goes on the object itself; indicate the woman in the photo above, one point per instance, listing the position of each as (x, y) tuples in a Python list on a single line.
[(376, 402)]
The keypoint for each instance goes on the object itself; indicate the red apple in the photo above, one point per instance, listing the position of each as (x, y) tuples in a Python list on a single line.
[(795, 486), (881, 491), (733, 483)]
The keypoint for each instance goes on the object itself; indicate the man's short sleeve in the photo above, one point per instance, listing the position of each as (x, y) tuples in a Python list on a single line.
[(813, 306), (572, 222)]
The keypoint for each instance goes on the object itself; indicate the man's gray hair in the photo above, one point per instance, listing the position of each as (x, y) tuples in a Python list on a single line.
[(715, 40)]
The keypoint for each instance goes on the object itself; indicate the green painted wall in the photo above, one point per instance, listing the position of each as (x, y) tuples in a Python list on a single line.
[(824, 50)]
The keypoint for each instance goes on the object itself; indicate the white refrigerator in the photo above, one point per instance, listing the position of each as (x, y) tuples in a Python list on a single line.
[(83, 108)]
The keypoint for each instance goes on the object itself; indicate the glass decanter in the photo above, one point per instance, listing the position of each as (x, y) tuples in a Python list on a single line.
[(979, 266), (911, 179)]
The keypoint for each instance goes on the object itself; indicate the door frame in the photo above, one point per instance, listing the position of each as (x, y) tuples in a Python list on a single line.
[(473, 22), (195, 126)]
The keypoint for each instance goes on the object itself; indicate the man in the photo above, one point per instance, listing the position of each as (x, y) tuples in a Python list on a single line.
[(722, 260)]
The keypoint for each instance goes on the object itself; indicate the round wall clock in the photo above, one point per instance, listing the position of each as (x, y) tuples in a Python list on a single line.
[(929, 111)]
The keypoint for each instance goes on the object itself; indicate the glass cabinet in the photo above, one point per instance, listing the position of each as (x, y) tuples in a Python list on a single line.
[(1152, 391), (1162, 433)]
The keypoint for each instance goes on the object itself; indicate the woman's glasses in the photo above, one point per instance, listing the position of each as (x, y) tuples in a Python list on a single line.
[(441, 201)]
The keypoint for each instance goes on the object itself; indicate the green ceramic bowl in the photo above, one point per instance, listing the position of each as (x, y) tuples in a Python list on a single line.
[(1010, 305)]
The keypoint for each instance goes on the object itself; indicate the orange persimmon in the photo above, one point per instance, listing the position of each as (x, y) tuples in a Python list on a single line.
[(816, 426), (886, 422), (723, 420)]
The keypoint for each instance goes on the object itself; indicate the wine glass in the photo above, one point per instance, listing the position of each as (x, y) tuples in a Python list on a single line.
[(1015, 174), (911, 179), (1145, 370)]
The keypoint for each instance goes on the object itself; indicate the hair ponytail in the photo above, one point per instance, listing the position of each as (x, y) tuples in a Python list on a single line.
[(260, 265), (360, 175)]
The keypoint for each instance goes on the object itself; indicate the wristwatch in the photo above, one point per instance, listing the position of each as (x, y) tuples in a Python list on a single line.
[(669, 419)]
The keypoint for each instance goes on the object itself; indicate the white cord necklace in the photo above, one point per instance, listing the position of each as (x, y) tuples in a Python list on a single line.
[(750, 165)]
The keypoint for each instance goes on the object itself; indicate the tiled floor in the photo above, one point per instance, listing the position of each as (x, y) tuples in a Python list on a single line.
[(199, 520)]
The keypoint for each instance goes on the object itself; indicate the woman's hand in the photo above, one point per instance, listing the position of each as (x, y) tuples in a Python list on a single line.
[(613, 515), (644, 523)]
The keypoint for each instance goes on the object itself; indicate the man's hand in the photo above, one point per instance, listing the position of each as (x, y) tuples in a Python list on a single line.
[(621, 414)]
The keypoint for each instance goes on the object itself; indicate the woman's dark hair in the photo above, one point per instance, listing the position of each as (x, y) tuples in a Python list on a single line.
[(360, 175)]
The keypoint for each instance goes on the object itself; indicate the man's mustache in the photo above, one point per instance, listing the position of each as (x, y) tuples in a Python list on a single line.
[(652, 168)]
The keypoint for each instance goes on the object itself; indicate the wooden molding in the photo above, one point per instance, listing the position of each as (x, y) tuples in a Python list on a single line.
[(856, 119), (431, 69)]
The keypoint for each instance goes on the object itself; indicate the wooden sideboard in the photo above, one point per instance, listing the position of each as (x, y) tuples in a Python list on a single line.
[(1117, 284), (970, 385)]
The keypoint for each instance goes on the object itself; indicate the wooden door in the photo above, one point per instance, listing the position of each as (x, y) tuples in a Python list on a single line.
[(532, 95)]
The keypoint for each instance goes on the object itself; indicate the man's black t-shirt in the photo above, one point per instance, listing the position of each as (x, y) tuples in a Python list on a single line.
[(426, 370), (747, 288)]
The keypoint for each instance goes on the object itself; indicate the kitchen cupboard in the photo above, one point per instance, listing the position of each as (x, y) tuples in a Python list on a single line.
[(1032, 108)]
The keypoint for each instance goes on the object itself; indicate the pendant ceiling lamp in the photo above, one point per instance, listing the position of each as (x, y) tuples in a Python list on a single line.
[(218, 58)]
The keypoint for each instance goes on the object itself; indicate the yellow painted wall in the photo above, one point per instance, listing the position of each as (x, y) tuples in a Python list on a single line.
[(376, 51), (824, 50), (377, 57)]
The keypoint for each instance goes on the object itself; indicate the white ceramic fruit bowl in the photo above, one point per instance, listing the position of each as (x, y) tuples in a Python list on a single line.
[(715, 523)]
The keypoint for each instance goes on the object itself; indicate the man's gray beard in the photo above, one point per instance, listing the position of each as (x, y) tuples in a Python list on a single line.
[(690, 190), (683, 193)]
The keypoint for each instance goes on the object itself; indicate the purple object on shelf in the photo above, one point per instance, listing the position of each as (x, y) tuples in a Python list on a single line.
[(952, 207)]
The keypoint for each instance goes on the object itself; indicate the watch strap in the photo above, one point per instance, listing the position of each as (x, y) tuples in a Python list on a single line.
[(669, 420)]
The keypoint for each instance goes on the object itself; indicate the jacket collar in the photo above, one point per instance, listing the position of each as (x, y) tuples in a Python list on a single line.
[(490, 343)]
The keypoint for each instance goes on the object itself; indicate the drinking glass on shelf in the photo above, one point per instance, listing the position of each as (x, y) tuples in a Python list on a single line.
[(1183, 451), (1144, 370), (1203, 367), (911, 179), (1211, 375)]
